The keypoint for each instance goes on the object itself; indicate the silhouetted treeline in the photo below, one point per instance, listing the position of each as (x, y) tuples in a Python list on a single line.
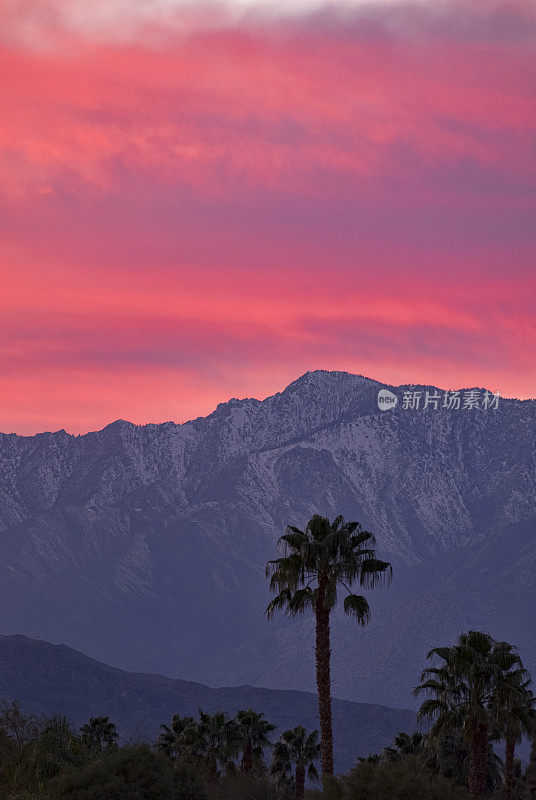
[(476, 694), (215, 757)]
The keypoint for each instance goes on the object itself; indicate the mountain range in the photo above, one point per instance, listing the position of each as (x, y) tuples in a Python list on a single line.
[(145, 546), (48, 679)]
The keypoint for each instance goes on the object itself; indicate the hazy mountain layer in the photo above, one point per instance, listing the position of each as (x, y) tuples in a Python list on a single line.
[(51, 679)]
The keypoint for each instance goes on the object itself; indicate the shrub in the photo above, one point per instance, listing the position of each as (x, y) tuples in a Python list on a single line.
[(245, 787), (132, 773), (406, 779)]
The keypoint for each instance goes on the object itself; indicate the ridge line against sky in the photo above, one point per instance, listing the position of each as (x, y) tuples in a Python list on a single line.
[(269, 397), (207, 208)]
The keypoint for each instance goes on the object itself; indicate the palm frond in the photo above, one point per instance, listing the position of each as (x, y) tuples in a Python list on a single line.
[(295, 540), (300, 601), (357, 539), (374, 572), (442, 652), (357, 606), (280, 602)]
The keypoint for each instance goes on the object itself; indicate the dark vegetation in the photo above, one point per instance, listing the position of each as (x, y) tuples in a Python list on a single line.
[(476, 703)]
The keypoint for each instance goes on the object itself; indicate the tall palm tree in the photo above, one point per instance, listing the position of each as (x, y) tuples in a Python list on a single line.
[(296, 748), (461, 694), (317, 562), (253, 732)]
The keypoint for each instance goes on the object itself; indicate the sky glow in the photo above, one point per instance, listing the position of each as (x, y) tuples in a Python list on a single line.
[(200, 201)]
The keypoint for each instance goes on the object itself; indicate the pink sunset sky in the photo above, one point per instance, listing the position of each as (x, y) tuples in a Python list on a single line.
[(202, 201)]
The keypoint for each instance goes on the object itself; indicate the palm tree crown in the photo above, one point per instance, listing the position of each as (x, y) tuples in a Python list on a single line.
[(175, 740), (404, 744), (320, 560)]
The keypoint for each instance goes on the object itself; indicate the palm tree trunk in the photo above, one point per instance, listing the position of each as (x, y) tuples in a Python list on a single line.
[(323, 679), (212, 771), (473, 758), (300, 782), (478, 757), (247, 758), (530, 775), (509, 756)]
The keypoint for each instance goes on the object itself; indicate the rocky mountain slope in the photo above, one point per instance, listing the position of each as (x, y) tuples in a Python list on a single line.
[(51, 679), (145, 546)]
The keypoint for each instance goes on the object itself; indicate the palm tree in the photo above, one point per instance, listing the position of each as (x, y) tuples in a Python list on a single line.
[(253, 731), (173, 739), (317, 562), (215, 741), (461, 694), (514, 716), (99, 734), (296, 747), (404, 744)]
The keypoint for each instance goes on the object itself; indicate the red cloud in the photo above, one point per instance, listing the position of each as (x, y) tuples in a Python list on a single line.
[(211, 205)]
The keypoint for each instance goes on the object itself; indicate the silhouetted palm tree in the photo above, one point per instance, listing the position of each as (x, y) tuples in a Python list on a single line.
[(461, 694), (404, 744), (296, 748), (173, 739), (317, 562), (216, 742), (253, 731), (514, 715)]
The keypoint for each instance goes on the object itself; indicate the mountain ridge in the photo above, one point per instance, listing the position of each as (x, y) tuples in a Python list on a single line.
[(155, 537), (54, 679), (234, 401)]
